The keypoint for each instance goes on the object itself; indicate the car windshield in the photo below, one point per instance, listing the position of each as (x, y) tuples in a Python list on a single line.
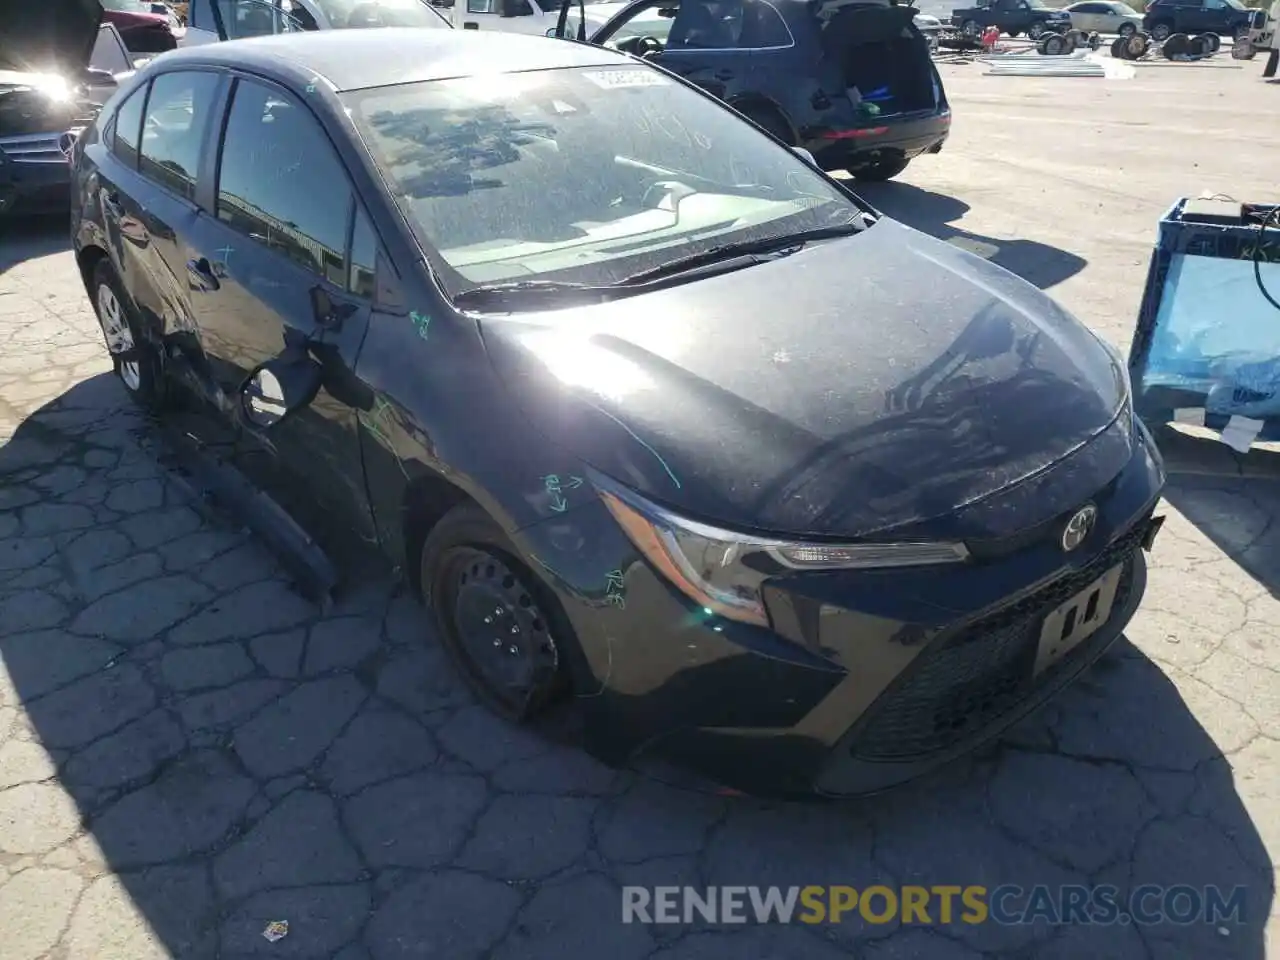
[(581, 175), (380, 13)]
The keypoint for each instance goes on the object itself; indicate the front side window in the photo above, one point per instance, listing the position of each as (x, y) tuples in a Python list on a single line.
[(280, 183), (653, 21), (129, 127), (763, 26), (584, 175), (359, 14), (173, 129)]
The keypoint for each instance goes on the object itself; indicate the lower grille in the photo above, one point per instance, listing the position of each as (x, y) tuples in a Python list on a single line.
[(972, 677)]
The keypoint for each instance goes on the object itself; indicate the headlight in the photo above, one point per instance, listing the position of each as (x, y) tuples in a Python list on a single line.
[(723, 570)]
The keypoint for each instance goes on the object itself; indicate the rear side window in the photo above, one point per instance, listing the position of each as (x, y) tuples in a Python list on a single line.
[(173, 129), (763, 26), (129, 127), (280, 182)]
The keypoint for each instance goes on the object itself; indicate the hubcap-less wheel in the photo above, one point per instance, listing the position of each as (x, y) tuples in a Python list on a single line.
[(1160, 31), (500, 628), (115, 329), (1036, 31), (1128, 30)]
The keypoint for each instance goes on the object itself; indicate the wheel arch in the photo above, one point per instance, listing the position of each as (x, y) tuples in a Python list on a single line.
[(87, 259), (426, 499)]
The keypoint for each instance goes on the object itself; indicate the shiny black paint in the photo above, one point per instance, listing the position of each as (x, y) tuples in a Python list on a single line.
[(768, 399)]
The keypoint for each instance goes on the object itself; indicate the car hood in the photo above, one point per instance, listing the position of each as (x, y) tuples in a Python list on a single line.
[(48, 36), (853, 387)]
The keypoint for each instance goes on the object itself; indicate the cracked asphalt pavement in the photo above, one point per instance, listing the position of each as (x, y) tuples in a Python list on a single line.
[(189, 750)]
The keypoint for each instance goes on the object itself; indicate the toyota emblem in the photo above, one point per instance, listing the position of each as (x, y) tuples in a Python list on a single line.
[(1079, 527), (67, 143)]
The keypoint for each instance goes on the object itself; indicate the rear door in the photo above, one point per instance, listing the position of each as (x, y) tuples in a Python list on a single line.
[(148, 199), (284, 226)]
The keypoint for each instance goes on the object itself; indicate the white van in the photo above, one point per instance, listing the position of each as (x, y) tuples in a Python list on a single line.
[(209, 21)]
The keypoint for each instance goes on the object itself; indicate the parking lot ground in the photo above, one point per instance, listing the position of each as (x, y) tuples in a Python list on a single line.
[(189, 751)]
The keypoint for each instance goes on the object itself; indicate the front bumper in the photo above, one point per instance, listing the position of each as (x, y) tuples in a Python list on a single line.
[(866, 679), (35, 177)]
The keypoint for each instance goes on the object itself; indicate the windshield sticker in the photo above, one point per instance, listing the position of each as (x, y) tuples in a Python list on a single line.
[(612, 79)]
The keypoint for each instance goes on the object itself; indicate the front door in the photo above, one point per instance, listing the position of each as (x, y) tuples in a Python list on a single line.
[(699, 39), (280, 240)]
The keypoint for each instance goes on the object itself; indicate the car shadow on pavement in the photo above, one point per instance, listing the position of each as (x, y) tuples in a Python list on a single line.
[(27, 238), (189, 752), (1241, 516), (936, 214)]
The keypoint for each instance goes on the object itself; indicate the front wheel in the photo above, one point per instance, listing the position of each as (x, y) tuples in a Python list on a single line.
[(879, 169), (1160, 32), (1127, 30), (970, 29), (1035, 31), (499, 625), (132, 357)]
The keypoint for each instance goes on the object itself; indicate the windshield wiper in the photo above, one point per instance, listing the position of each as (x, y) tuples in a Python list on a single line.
[(490, 294), (744, 249)]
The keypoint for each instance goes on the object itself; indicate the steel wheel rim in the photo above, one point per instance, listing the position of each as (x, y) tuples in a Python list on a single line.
[(501, 629), (115, 330)]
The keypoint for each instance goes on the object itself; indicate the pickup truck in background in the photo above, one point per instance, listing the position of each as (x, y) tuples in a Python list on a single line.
[(1012, 17)]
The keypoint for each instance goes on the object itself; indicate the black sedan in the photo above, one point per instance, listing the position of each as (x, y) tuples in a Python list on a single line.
[(668, 427)]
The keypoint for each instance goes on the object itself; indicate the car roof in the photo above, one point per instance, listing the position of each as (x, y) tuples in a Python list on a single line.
[(381, 56)]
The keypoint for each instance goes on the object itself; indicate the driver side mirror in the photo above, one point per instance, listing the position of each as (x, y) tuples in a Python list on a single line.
[(278, 388), (805, 155)]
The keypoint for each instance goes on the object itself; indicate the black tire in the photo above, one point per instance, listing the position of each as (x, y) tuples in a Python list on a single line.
[(468, 562), (1053, 45), (1137, 46), (1035, 31), (1201, 45), (1161, 31), (769, 119), (1014, 33), (1178, 44), (1119, 49), (133, 359), (1127, 30), (971, 29), (879, 170)]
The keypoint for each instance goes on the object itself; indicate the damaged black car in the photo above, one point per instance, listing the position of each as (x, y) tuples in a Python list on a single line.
[(672, 433), (45, 98)]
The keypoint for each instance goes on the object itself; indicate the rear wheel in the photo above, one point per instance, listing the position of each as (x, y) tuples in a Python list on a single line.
[(1036, 31), (500, 627), (879, 169), (132, 358), (1127, 30), (1160, 31), (971, 29)]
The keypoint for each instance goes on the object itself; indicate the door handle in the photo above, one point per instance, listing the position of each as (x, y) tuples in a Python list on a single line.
[(724, 74), (200, 275)]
